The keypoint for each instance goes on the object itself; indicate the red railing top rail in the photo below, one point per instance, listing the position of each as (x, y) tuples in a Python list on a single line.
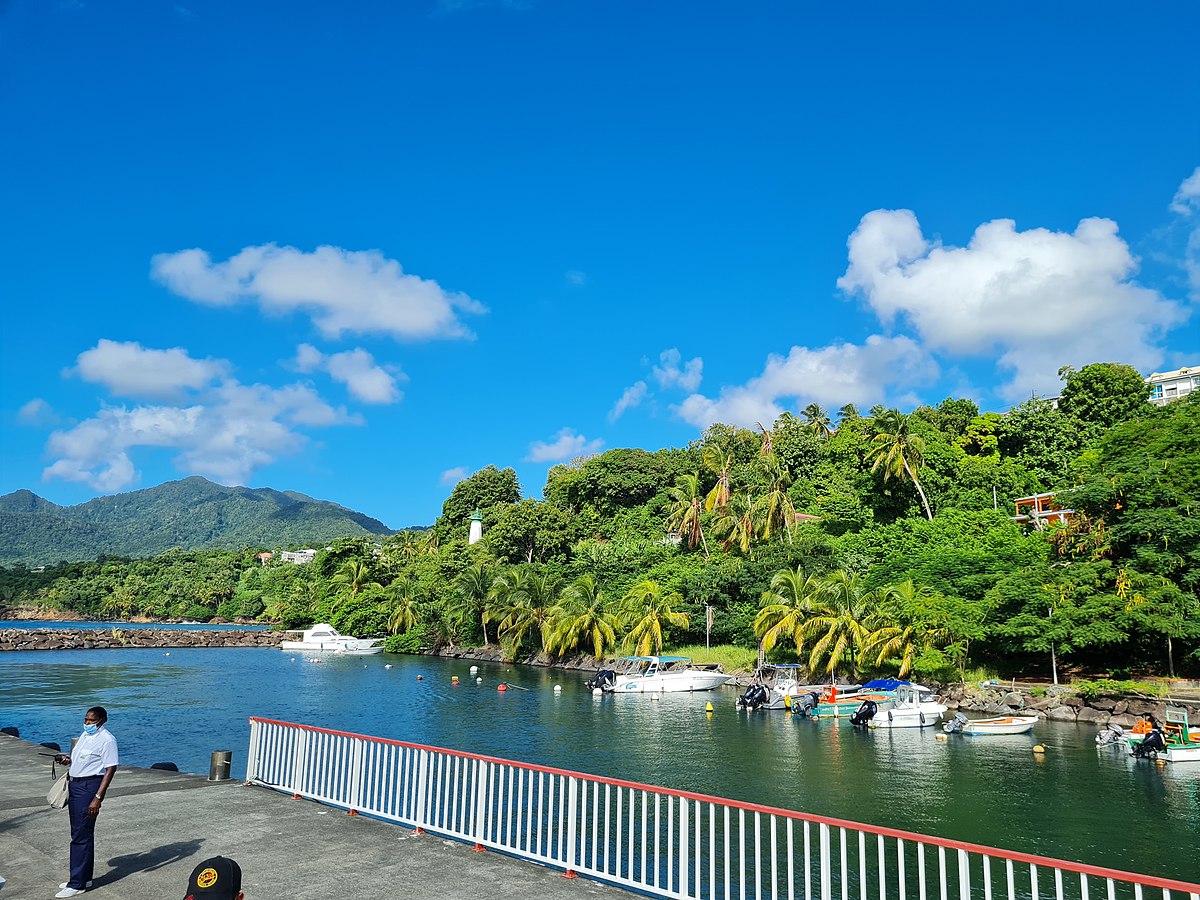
[(982, 849)]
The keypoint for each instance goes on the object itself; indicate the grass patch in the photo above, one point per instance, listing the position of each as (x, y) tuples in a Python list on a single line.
[(730, 657), (977, 674), (1108, 687)]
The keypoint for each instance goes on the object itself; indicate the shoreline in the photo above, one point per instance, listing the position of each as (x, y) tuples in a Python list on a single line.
[(20, 639)]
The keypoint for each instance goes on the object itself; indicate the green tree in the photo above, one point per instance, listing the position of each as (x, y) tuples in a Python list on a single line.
[(582, 619), (647, 612), (786, 607), (1102, 395), (840, 623), (685, 512), (405, 593), (898, 452), (818, 420)]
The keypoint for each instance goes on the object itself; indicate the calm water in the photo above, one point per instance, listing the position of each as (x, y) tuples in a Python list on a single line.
[(1075, 802)]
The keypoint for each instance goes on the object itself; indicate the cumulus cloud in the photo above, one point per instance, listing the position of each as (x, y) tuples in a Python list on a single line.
[(128, 369), (632, 397), (236, 430), (834, 375), (454, 476), (358, 291), (308, 358), (1187, 204), (673, 372), (564, 445), (1035, 300), (356, 369), (37, 413)]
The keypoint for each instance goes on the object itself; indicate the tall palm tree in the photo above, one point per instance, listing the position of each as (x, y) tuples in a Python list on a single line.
[(818, 420), (898, 451), (839, 626), (776, 506), (894, 638), (847, 412), (406, 599), (523, 602), (683, 516), (786, 607), (645, 612), (470, 594), (581, 618), (736, 523), (721, 465), (355, 575)]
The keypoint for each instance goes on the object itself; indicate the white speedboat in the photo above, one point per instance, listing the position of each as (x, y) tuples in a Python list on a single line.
[(778, 686), (324, 638), (1171, 742), (658, 675), (960, 724), (913, 707)]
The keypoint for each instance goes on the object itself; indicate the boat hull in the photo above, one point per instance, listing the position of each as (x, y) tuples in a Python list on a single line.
[(998, 725), (670, 683), (928, 715)]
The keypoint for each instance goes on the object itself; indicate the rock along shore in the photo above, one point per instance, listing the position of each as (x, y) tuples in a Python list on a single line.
[(118, 638)]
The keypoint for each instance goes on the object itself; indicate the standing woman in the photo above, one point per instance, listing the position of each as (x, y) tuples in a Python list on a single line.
[(93, 763)]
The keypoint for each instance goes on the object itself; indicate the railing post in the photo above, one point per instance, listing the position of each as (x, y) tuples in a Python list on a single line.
[(252, 752), (826, 863), (477, 783), (421, 786), (356, 776), (299, 762), (572, 855)]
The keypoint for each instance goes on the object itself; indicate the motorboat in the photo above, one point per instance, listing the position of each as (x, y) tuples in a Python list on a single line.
[(912, 707), (960, 724), (843, 700), (324, 638), (1171, 742), (778, 686), (658, 674)]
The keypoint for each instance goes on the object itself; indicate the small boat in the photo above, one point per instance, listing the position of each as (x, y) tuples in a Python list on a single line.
[(912, 707), (1172, 742), (658, 675), (324, 638), (960, 724), (778, 686), (843, 700)]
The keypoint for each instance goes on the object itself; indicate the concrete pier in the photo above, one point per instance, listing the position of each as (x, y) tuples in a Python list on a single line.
[(155, 826)]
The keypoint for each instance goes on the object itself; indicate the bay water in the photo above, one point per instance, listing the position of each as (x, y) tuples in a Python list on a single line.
[(1075, 801)]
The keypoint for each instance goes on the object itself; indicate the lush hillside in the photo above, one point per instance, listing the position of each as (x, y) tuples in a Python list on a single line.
[(193, 513)]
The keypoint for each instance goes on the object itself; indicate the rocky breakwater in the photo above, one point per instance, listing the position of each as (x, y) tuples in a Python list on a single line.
[(1058, 704), (118, 638)]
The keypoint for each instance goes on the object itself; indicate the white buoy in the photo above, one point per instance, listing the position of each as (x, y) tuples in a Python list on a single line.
[(479, 681), (596, 692), (387, 665), (474, 670), (558, 689)]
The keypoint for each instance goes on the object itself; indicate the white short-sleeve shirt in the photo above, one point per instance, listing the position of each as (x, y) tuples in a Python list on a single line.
[(93, 754)]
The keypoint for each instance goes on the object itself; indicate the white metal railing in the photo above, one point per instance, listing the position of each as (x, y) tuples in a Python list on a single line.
[(661, 842)]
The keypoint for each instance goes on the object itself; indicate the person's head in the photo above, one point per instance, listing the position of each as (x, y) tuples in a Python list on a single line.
[(217, 878), (94, 718)]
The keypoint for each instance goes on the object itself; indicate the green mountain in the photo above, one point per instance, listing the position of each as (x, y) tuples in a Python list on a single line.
[(193, 513)]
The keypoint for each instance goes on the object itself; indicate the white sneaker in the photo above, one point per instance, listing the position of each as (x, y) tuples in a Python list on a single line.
[(63, 886), (68, 892)]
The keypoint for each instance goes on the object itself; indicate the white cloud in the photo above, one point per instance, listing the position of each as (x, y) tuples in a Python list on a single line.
[(236, 430), (342, 290), (1035, 300), (1187, 204), (1187, 198), (368, 382), (670, 373), (308, 358), (37, 413), (831, 376), (128, 369), (632, 397), (576, 278), (454, 476), (565, 445)]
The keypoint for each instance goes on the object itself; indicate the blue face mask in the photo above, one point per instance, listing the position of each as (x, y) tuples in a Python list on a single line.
[(90, 729)]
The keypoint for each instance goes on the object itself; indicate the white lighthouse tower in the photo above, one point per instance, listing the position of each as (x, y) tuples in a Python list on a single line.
[(476, 533)]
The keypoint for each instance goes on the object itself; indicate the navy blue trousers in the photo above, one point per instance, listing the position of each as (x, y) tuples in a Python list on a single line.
[(83, 830)]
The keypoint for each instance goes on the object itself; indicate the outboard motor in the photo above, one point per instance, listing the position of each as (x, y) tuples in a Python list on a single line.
[(865, 713), (604, 680), (955, 725), (806, 705), (1110, 735), (755, 696), (1151, 745)]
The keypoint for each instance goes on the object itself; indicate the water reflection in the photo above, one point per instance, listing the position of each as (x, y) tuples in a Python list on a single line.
[(1077, 802)]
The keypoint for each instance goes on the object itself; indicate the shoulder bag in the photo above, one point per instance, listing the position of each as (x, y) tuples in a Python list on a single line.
[(57, 795)]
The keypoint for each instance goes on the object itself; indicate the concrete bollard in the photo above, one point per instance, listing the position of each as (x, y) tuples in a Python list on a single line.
[(218, 768)]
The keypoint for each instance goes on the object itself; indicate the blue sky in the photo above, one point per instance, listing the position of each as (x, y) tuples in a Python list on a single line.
[(360, 250)]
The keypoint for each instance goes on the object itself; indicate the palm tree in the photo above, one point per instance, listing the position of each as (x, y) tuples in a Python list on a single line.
[(721, 465), (355, 575), (786, 607), (521, 600), (839, 625), (581, 618), (645, 610), (470, 594), (736, 523), (895, 638), (847, 412), (898, 452), (818, 420), (406, 599), (685, 510), (776, 506)]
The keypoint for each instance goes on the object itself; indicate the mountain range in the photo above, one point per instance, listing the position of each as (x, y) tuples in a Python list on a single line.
[(193, 513)]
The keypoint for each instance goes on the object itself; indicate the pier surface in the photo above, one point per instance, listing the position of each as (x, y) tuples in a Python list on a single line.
[(156, 826)]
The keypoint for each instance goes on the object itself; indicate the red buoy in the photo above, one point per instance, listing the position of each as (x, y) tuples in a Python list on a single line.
[(502, 686)]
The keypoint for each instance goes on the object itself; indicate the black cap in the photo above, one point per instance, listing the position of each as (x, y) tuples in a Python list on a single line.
[(217, 878)]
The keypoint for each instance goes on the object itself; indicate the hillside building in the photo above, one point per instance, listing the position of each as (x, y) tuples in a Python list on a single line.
[(1168, 386)]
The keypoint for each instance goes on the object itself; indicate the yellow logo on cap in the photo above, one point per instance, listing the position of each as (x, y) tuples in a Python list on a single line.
[(207, 878)]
